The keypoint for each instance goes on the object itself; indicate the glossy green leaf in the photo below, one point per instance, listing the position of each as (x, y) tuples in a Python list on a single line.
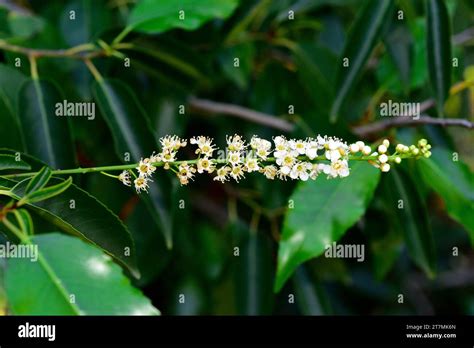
[(323, 211), (127, 121), (157, 16), (39, 180), (362, 38), (412, 212), (24, 25), (9, 162), (309, 296), (454, 182), (91, 19), (80, 214), (71, 277), (253, 275), (46, 135), (24, 220), (10, 83), (46, 192), (438, 48)]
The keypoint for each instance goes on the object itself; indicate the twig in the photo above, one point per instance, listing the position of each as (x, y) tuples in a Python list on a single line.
[(213, 107), (410, 122), (463, 37)]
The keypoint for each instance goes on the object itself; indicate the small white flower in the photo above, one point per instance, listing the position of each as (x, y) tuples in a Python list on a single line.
[(281, 146), (237, 172), (300, 170), (251, 164), (167, 157), (205, 165), (235, 143), (145, 168), (287, 162), (222, 174), (382, 149), (383, 158), (234, 158), (366, 150), (141, 184), (172, 143), (185, 173), (124, 177), (269, 171), (354, 148), (312, 148), (298, 145), (385, 167), (205, 146), (339, 168), (155, 158)]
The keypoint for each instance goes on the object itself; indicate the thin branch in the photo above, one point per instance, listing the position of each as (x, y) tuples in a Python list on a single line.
[(212, 107), (463, 37), (410, 122), (84, 51)]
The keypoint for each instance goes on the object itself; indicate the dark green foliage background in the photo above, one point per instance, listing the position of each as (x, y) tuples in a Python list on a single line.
[(282, 63)]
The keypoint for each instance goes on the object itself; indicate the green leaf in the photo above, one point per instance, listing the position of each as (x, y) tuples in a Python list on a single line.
[(454, 182), (80, 214), (362, 38), (323, 211), (412, 211), (438, 47), (47, 136), (128, 123), (92, 18), (24, 221), (8, 162), (24, 25), (46, 193), (67, 269), (253, 275), (309, 296), (157, 16), (39, 180), (10, 83)]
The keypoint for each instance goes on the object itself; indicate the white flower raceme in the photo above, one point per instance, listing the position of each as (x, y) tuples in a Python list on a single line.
[(298, 159)]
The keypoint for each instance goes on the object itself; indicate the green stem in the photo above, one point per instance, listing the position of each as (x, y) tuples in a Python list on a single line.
[(122, 35)]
